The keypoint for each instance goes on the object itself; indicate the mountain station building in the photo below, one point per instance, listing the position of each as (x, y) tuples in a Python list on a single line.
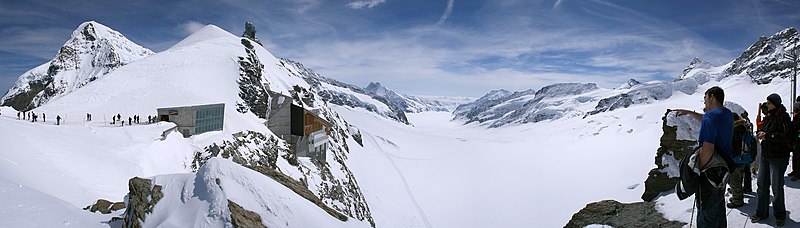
[(302, 128), (193, 120)]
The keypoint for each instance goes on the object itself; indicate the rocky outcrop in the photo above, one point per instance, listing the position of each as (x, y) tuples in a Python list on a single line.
[(329, 185), (671, 149), (243, 218), (252, 87), (142, 198), (616, 214), (250, 32), (105, 207)]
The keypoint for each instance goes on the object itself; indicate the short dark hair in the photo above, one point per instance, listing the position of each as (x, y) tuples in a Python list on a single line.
[(717, 93)]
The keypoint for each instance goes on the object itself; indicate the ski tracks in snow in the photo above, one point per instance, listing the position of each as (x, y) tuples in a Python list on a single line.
[(402, 177)]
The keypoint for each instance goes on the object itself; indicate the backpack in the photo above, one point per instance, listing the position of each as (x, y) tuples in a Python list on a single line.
[(744, 146)]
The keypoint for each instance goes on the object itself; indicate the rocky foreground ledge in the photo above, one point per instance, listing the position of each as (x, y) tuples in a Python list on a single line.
[(616, 214)]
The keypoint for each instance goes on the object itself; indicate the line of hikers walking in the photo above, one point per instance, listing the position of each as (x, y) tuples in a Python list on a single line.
[(34, 117), (729, 151)]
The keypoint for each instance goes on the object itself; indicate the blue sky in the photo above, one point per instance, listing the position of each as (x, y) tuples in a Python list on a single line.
[(425, 47)]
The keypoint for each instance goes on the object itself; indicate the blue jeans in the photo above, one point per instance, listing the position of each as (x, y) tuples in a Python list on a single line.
[(711, 204), (770, 172)]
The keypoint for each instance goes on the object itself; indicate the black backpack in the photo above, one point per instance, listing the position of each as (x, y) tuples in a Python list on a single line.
[(744, 145)]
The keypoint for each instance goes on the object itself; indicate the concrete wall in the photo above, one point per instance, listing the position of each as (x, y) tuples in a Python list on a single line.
[(279, 121)]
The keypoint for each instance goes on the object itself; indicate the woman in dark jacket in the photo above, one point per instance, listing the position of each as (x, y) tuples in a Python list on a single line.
[(775, 147)]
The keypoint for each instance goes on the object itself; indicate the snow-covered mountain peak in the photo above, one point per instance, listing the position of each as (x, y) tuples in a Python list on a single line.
[(696, 63), (629, 84), (765, 60), (377, 88), (92, 51), (208, 32)]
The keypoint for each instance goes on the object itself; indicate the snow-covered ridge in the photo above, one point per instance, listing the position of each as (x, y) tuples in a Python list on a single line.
[(344, 94), (415, 104), (92, 51), (501, 107)]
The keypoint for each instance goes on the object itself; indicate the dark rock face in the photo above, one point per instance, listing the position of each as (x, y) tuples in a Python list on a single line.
[(658, 181), (88, 32), (616, 214), (142, 197), (243, 218), (252, 88), (611, 103), (762, 62), (105, 206)]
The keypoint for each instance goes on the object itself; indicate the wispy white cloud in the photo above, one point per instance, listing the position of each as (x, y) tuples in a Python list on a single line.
[(190, 27), (447, 12), (365, 3)]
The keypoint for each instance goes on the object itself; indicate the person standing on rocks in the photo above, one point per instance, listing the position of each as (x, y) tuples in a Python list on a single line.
[(716, 136), (775, 146)]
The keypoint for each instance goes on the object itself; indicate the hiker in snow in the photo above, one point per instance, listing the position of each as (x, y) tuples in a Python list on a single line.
[(149, 119), (795, 174), (44, 117), (58, 120), (29, 115), (33, 119), (774, 158), (716, 135), (747, 174), (119, 117), (88, 117), (743, 153), (129, 121), (18, 115)]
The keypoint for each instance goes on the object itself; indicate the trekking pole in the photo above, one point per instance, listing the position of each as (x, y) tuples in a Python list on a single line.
[(691, 220)]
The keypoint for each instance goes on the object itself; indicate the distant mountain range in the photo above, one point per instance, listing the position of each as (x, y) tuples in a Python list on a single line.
[(762, 62)]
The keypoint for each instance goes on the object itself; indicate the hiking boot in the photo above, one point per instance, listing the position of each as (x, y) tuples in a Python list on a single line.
[(756, 218), (780, 222), (735, 204)]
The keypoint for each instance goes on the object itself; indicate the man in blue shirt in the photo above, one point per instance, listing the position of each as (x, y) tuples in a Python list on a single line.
[(716, 136)]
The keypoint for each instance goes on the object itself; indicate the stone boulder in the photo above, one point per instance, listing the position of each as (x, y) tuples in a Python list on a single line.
[(672, 149), (243, 218), (105, 206), (616, 214), (142, 198)]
